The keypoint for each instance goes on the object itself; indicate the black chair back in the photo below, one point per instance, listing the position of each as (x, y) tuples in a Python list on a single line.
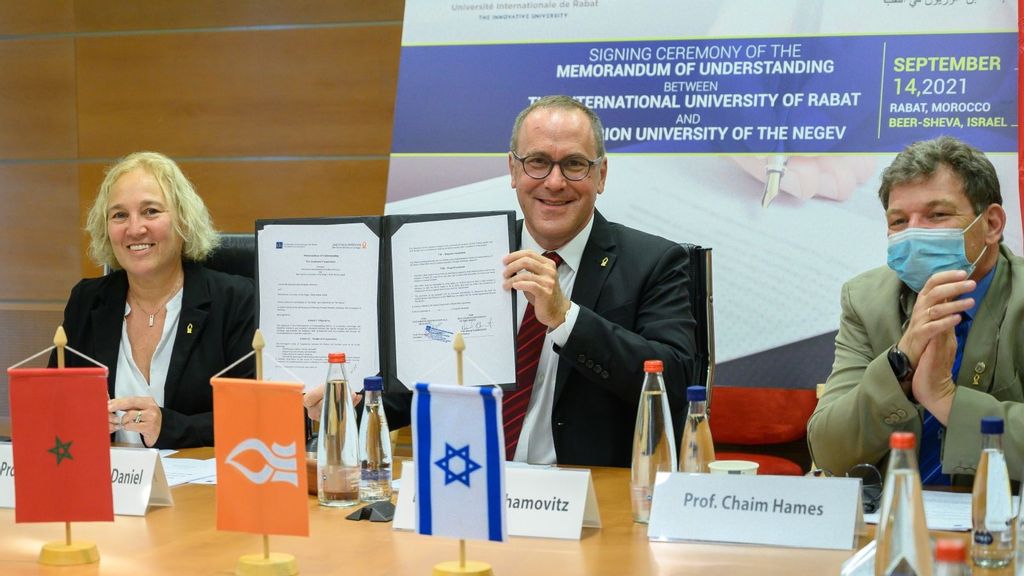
[(235, 255), (702, 303)]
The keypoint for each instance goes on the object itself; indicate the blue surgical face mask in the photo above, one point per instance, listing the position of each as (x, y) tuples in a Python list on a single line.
[(915, 254)]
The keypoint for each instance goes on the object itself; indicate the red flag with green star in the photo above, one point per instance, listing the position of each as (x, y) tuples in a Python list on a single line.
[(61, 445)]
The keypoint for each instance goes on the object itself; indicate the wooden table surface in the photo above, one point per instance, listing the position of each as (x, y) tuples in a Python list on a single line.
[(183, 540)]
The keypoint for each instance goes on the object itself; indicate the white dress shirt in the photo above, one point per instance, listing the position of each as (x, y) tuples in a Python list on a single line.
[(536, 444), (129, 380)]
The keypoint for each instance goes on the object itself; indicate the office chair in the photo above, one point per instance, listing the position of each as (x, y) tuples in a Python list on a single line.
[(235, 255)]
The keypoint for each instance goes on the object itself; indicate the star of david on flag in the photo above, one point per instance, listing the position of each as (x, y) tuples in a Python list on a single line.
[(459, 451)]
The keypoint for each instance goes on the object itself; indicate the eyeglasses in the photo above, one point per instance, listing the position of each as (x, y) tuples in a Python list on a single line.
[(573, 168), (870, 484)]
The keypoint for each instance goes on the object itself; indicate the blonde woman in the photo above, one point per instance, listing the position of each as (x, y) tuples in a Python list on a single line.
[(161, 322)]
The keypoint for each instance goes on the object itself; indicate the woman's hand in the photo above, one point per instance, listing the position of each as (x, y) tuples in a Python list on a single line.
[(136, 414)]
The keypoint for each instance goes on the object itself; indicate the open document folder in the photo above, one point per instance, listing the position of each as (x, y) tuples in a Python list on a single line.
[(390, 292)]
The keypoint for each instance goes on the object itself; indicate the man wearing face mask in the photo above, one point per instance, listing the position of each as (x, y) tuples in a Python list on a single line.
[(933, 341)]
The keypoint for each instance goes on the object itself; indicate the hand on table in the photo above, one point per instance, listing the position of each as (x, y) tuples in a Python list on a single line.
[(136, 414)]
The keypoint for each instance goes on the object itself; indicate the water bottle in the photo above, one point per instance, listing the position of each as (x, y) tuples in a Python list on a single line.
[(374, 445), (337, 450), (951, 558), (654, 442), (1019, 562), (991, 509), (698, 449), (902, 545)]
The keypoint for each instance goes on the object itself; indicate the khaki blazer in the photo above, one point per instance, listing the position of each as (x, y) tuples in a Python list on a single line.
[(863, 403)]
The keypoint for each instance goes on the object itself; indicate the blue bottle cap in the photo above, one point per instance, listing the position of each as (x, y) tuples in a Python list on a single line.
[(373, 383), (696, 394), (991, 425)]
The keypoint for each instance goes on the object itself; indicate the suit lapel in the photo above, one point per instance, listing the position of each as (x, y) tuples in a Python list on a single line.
[(980, 349), (596, 264), (195, 303), (108, 322)]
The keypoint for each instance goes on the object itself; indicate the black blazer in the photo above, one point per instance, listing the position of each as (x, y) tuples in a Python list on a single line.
[(215, 329), (634, 306)]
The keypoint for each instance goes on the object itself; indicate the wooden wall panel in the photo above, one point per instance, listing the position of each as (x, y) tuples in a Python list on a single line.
[(25, 330), (274, 109), (239, 193), (324, 91), (106, 15), (41, 250), (37, 99), (37, 17)]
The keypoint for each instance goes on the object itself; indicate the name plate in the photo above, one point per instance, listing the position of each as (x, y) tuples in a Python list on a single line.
[(136, 476), (139, 481), (539, 502), (791, 511)]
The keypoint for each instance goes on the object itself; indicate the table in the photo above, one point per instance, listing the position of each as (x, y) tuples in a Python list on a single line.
[(183, 540)]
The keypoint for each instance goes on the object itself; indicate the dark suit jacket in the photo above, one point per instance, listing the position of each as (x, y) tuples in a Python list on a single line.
[(634, 306), (215, 329)]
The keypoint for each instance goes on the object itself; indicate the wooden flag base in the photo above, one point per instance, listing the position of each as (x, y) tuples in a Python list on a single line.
[(277, 564), (64, 554), (471, 568)]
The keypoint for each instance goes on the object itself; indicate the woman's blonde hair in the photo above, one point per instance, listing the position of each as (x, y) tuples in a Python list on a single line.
[(191, 219)]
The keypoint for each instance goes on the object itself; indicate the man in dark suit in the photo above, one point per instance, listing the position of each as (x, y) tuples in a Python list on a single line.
[(616, 298)]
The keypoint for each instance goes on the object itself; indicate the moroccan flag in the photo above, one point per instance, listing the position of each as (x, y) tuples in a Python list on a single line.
[(61, 445), (259, 439), (459, 449)]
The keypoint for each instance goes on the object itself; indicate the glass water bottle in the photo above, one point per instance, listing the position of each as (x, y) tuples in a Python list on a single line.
[(337, 451)]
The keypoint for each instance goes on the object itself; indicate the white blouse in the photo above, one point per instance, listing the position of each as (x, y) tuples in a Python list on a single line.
[(129, 380)]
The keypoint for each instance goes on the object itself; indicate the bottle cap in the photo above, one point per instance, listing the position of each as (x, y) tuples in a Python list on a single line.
[(951, 550), (653, 366), (336, 357), (902, 441), (696, 394), (991, 425), (373, 383)]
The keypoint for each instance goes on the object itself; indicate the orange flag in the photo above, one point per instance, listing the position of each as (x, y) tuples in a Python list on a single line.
[(259, 440), (61, 445)]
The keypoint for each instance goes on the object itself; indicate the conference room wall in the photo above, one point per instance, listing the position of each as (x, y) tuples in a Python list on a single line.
[(273, 109)]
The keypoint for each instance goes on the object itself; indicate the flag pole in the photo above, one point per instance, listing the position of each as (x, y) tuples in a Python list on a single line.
[(60, 341), (266, 564), (69, 553), (258, 344), (459, 345), (461, 569)]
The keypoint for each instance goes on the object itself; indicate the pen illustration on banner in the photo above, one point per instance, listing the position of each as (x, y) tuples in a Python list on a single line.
[(775, 173)]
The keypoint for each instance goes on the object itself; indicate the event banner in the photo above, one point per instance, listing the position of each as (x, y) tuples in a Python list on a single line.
[(700, 103)]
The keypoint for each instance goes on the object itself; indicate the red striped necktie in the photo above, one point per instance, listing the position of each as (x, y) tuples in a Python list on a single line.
[(529, 342)]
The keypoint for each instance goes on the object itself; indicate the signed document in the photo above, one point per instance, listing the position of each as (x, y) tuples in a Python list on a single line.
[(447, 279), (318, 295), (390, 292)]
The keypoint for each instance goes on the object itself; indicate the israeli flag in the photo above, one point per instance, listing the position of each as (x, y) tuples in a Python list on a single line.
[(458, 445)]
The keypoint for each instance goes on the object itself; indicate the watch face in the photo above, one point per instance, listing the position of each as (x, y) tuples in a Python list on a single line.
[(900, 364)]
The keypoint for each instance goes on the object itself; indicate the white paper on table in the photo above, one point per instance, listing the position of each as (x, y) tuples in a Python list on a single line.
[(186, 470), (949, 511), (447, 278), (318, 295)]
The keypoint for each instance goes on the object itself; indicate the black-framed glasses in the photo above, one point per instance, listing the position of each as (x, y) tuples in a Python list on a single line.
[(870, 484), (573, 168)]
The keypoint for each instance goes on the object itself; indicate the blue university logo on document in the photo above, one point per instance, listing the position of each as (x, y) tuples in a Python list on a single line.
[(451, 469)]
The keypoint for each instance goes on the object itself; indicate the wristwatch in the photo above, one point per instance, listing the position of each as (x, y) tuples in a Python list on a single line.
[(900, 364)]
